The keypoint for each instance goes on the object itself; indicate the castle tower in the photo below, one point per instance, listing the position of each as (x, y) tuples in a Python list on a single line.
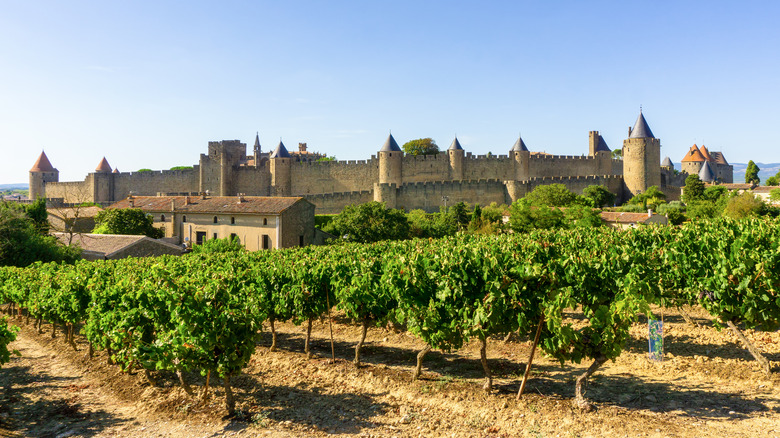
[(521, 156), (641, 158), (598, 149), (41, 173), (103, 183), (390, 162), (667, 164), (257, 150), (456, 154), (692, 161), (281, 166), (706, 174)]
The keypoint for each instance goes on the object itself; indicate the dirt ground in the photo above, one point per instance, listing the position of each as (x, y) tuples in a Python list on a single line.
[(707, 385)]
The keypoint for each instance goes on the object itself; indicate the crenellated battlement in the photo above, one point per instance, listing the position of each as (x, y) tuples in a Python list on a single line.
[(545, 157)]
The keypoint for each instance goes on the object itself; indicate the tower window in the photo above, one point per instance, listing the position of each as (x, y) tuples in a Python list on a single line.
[(232, 220), (215, 219), (265, 221), (184, 218)]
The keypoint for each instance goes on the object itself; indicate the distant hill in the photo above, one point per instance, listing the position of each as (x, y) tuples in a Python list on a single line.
[(19, 186)]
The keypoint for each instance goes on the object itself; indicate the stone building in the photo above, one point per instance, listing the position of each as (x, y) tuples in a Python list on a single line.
[(258, 222), (697, 160), (399, 180), (117, 246)]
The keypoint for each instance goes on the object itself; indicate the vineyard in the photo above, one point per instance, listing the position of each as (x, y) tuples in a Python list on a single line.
[(203, 313)]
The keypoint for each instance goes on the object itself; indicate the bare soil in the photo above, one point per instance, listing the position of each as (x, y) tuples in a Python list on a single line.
[(707, 385)]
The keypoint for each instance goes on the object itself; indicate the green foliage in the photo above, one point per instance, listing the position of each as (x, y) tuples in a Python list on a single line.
[(703, 209), (327, 158), (524, 217), (421, 146), (21, 242), (751, 173), (369, 222), (552, 195), (172, 168), (144, 170), (459, 215), (599, 196), (633, 208), (430, 225), (772, 181), (651, 198), (494, 213), (744, 205), (322, 220), (617, 154), (714, 193), (774, 195), (7, 335), (674, 211), (226, 245), (693, 190), (126, 221), (580, 216)]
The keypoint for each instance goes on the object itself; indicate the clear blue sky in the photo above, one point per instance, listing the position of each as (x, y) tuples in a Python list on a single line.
[(148, 84)]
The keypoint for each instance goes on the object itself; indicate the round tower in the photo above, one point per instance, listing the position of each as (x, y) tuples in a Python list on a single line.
[(103, 183), (641, 158), (281, 169), (521, 156), (456, 155), (391, 163), (41, 173)]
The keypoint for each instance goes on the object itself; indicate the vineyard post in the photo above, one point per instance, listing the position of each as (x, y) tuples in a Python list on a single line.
[(751, 348), (330, 324), (531, 357)]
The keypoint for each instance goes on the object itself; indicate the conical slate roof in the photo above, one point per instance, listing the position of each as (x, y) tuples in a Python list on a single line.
[(103, 166), (693, 155), (519, 146), (667, 162), (640, 129), (42, 164), (706, 174), (705, 153), (390, 145), (602, 146), (257, 147), (280, 151), (455, 146)]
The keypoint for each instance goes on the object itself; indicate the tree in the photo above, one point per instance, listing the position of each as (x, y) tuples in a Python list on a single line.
[(327, 158), (180, 168), (599, 196), (552, 195), (694, 189), (370, 222), (714, 193), (744, 205), (459, 214), (226, 245), (421, 146), (22, 244), (773, 181), (651, 198), (751, 173), (774, 195), (617, 154), (126, 221)]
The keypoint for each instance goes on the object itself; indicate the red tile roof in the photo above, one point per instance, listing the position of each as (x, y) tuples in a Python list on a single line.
[(694, 154), (705, 153), (103, 166), (212, 204), (42, 164), (623, 217)]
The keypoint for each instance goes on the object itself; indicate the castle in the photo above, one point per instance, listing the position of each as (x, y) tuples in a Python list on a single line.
[(400, 181)]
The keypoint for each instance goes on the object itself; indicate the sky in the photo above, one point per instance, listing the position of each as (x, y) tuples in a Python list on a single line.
[(148, 84)]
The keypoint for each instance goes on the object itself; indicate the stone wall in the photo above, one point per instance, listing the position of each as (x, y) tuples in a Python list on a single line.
[(332, 203), (431, 196), (319, 177), (156, 181)]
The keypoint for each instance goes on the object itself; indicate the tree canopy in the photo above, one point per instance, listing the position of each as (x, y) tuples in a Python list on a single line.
[(421, 146), (369, 222), (126, 221), (751, 173), (552, 195), (599, 196), (22, 242), (650, 198), (694, 189)]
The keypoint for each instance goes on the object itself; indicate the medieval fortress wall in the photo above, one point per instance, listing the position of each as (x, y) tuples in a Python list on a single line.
[(400, 181)]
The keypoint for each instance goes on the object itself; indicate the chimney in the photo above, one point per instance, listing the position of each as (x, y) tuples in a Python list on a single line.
[(132, 202), (186, 200), (241, 198), (173, 205)]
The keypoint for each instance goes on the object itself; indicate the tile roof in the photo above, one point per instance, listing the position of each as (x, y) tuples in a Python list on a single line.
[(107, 244), (765, 189), (212, 204), (103, 166), (42, 164), (718, 158), (705, 153), (736, 186), (624, 217), (693, 155)]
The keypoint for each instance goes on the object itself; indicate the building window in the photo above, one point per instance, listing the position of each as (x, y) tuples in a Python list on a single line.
[(234, 236), (300, 240), (184, 218), (266, 242), (215, 236), (215, 219), (200, 236), (232, 220), (265, 221), (162, 218)]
